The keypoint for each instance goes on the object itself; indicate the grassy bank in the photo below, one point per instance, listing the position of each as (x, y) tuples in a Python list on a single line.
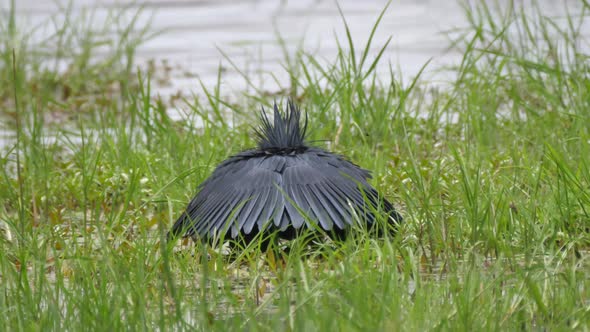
[(491, 172)]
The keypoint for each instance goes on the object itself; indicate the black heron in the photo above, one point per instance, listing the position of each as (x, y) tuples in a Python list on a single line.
[(283, 186)]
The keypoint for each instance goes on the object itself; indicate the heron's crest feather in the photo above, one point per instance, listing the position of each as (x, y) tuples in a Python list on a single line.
[(284, 132)]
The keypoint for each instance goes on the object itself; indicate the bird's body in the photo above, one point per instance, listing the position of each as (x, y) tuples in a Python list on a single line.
[(282, 186)]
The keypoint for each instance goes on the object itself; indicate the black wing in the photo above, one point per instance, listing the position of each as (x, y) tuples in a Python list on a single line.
[(251, 189), (239, 187)]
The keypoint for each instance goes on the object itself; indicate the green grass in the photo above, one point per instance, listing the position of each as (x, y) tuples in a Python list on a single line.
[(491, 172)]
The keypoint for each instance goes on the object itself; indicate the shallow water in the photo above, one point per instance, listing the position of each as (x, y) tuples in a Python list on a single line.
[(194, 32), (195, 35)]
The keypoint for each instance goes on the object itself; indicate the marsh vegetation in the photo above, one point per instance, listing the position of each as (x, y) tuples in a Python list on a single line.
[(490, 171)]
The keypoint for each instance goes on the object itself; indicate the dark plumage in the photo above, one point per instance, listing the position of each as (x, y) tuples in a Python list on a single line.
[(281, 186)]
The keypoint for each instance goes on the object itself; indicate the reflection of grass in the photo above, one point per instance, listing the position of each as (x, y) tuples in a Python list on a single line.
[(491, 174)]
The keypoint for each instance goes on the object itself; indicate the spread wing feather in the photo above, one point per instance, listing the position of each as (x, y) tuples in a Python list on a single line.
[(251, 189), (256, 211), (333, 206)]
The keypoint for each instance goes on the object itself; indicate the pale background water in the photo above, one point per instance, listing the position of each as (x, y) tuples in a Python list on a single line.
[(194, 32)]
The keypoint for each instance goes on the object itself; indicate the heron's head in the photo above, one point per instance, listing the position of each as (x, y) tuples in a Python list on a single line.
[(285, 134)]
